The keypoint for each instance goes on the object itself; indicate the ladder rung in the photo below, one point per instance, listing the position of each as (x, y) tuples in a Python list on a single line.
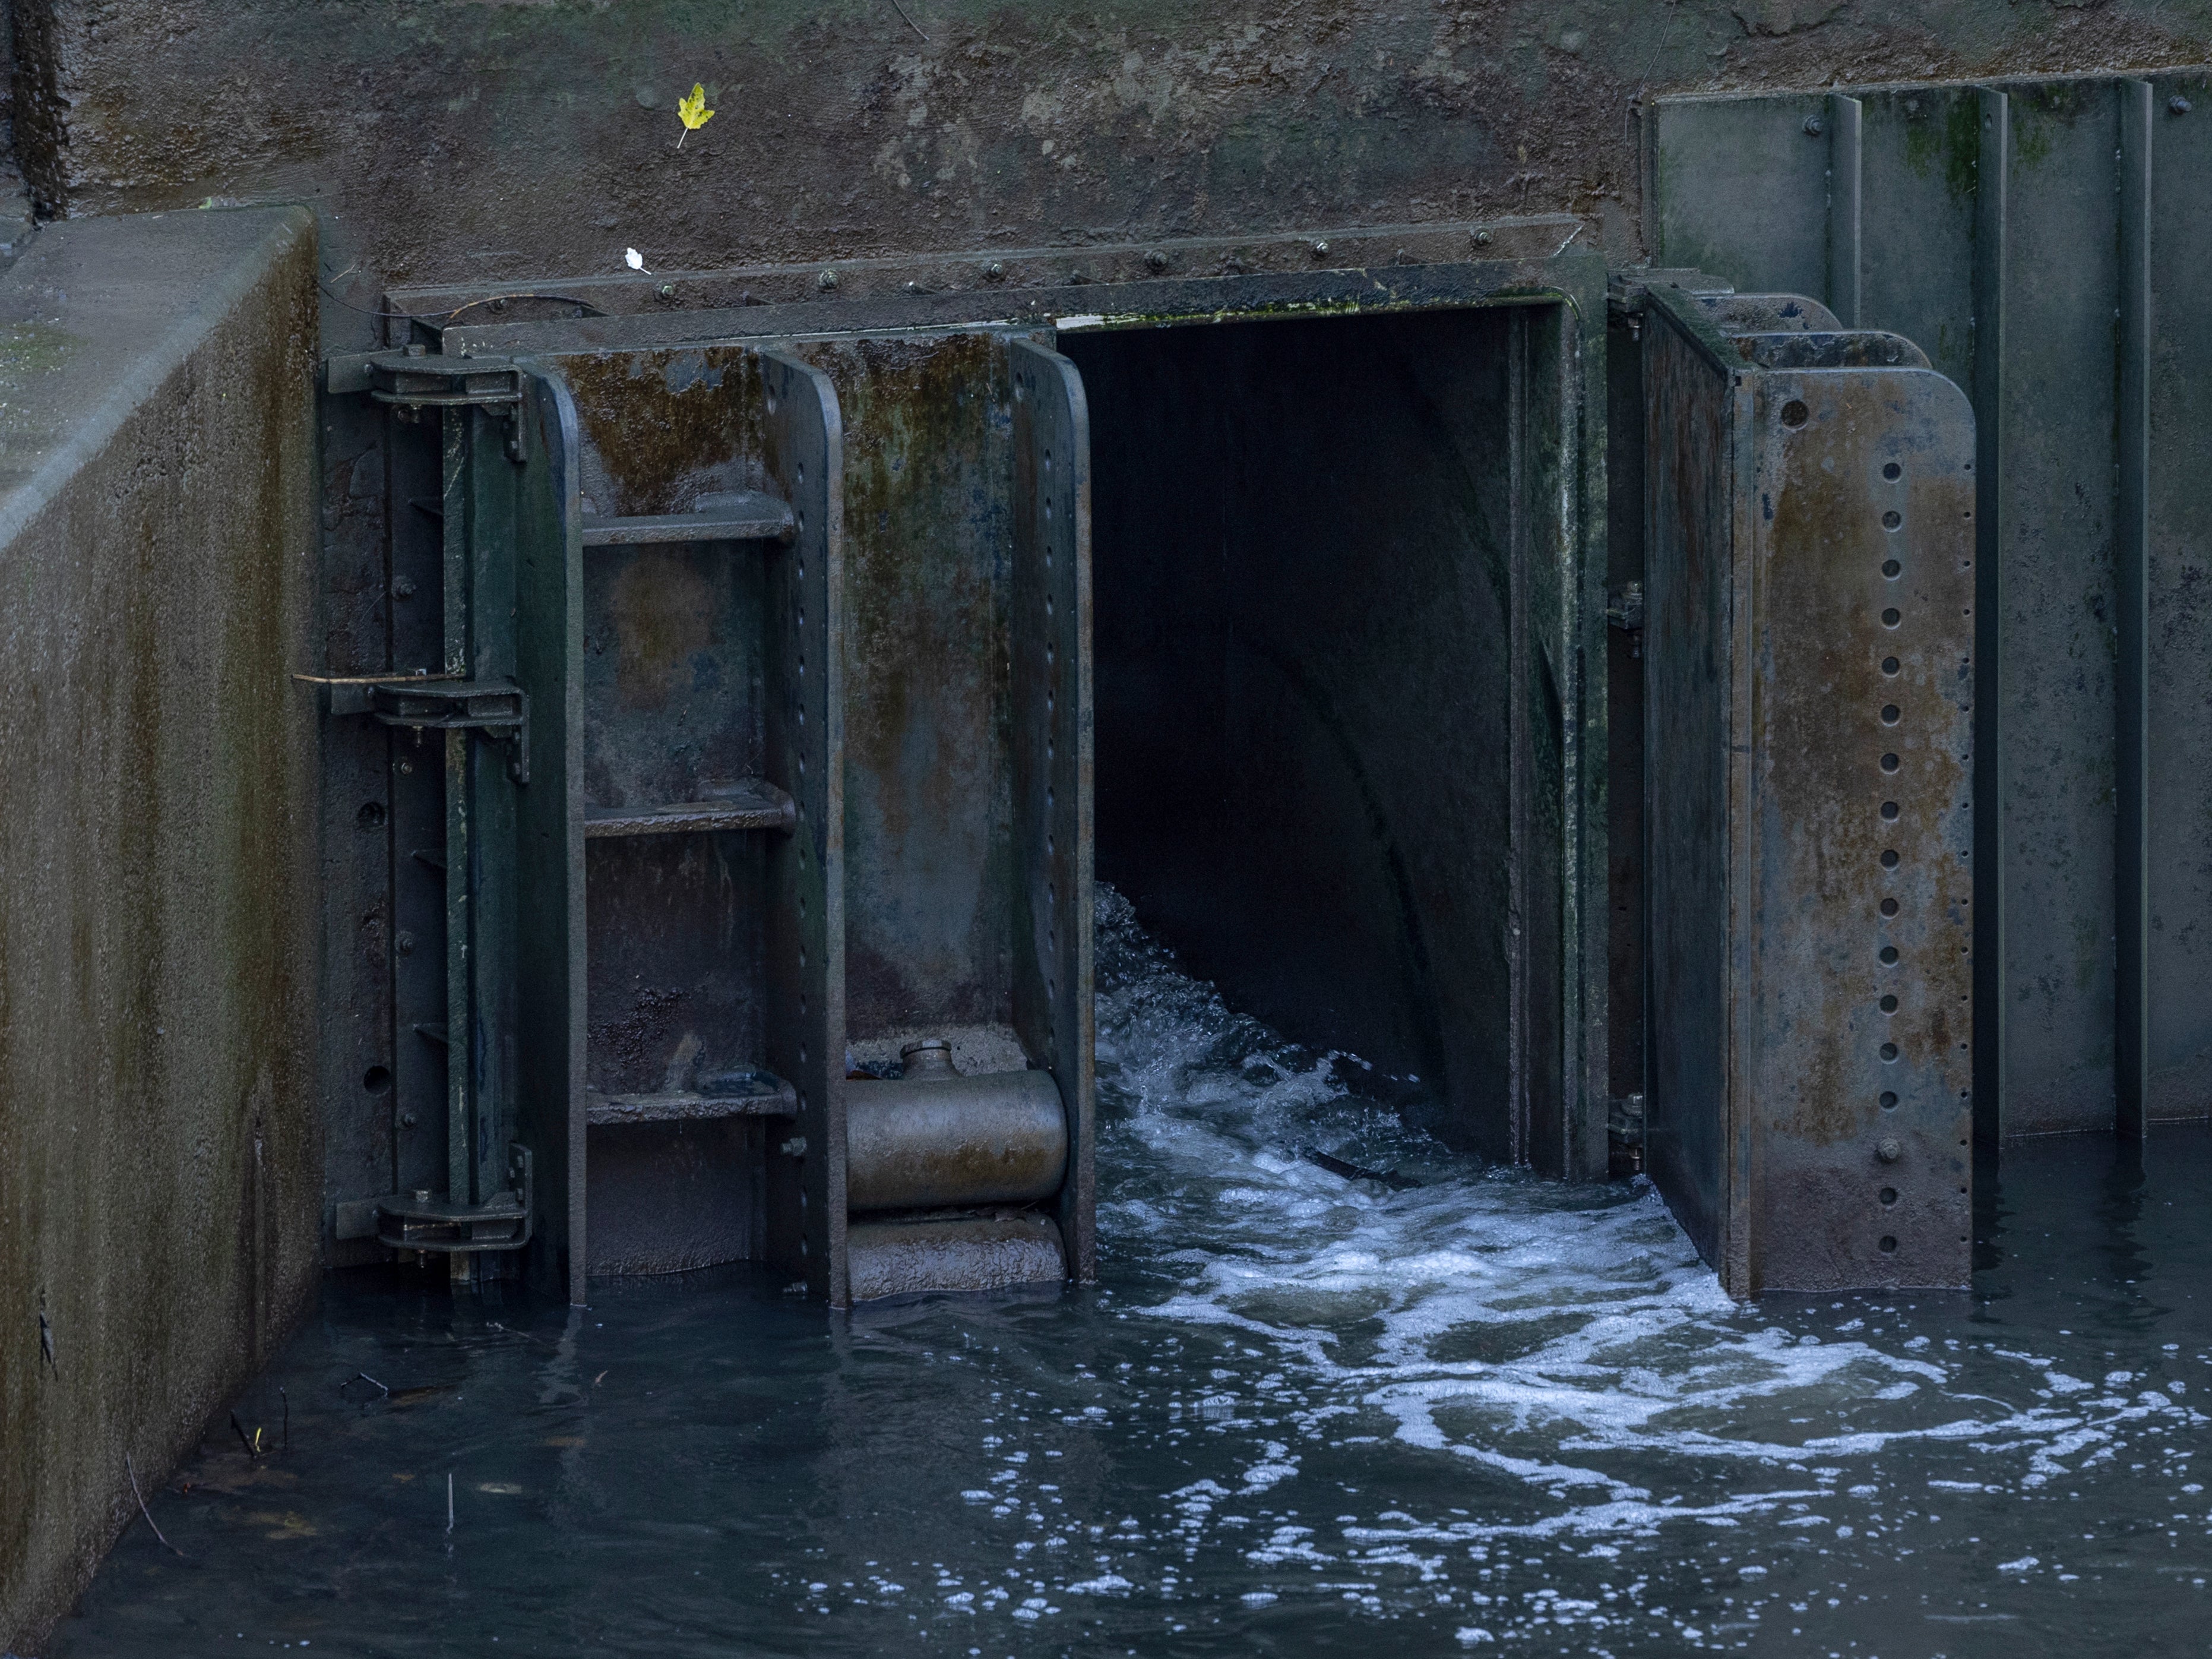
[(770, 1096), (747, 515), (754, 804)]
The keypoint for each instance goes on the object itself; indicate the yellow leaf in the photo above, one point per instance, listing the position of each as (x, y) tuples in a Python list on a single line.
[(694, 112)]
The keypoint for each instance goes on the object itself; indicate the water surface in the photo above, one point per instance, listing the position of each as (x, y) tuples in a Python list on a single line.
[(1300, 1414)]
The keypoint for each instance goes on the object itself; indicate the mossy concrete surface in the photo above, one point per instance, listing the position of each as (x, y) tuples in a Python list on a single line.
[(159, 1172), (448, 143)]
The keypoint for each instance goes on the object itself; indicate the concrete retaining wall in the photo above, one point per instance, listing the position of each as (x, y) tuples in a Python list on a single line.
[(160, 1175)]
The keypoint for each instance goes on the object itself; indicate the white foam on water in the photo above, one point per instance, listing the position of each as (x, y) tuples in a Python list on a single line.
[(1568, 1339)]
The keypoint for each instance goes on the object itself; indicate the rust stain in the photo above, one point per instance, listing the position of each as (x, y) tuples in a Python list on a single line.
[(662, 618)]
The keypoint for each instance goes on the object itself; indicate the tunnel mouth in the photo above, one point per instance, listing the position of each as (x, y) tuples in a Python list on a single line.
[(1314, 759)]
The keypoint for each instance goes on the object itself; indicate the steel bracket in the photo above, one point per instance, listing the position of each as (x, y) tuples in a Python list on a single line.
[(499, 713), (425, 1222)]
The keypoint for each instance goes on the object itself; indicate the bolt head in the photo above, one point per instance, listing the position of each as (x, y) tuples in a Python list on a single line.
[(1889, 1151), (668, 290), (994, 272), (1815, 126), (1482, 239), (1156, 260), (2177, 104), (826, 281), (1321, 250)]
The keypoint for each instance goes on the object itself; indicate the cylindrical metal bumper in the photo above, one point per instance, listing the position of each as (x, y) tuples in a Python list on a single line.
[(1000, 1137), (904, 1258)]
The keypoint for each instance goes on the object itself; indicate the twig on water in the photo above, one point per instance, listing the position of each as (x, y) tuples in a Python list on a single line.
[(449, 1500), (143, 1510), (908, 21), (287, 1399), (372, 1382), (253, 1450)]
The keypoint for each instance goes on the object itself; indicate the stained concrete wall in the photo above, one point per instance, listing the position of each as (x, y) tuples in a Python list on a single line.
[(158, 1164), (449, 142)]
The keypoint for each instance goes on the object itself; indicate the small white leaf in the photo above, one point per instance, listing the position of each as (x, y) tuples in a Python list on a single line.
[(634, 261)]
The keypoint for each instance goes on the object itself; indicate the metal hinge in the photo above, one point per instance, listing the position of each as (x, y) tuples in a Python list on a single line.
[(1624, 1133), (423, 1222), (497, 712), (1625, 609), (416, 378)]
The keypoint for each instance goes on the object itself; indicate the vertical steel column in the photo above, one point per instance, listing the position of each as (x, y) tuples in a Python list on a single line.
[(453, 502), (1991, 224), (1846, 261), (1523, 675), (1055, 817), (2131, 555)]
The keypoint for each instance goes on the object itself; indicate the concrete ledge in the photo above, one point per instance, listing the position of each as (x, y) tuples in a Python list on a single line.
[(158, 1173)]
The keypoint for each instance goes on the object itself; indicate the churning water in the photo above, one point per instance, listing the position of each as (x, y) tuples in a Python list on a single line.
[(1300, 1414)]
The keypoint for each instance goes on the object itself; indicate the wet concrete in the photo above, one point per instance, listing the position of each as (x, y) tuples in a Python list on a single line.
[(160, 1164)]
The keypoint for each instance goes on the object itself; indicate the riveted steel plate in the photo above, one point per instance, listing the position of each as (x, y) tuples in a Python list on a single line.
[(1810, 594)]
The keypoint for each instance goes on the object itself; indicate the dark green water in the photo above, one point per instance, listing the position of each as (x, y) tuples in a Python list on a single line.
[(1298, 1416)]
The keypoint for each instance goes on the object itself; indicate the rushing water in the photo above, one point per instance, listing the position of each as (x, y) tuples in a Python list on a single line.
[(1300, 1414)]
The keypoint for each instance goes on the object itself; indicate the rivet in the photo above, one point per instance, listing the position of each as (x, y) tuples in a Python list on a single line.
[(1814, 126), (1889, 1151)]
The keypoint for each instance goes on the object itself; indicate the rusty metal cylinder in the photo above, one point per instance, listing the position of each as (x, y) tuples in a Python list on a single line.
[(934, 1139)]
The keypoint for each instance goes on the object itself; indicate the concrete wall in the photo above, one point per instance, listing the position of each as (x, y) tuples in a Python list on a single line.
[(159, 1165), (451, 142)]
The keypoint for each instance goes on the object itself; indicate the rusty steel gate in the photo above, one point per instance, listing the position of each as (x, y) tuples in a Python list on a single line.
[(709, 758), (2040, 240), (777, 815)]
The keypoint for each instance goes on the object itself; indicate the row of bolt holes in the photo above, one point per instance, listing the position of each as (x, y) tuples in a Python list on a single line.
[(1891, 520), (1891, 714)]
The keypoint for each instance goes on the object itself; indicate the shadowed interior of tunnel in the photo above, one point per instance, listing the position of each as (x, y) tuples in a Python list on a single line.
[(1305, 589)]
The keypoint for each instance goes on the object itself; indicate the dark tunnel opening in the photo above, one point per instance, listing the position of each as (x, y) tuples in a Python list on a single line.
[(1304, 612)]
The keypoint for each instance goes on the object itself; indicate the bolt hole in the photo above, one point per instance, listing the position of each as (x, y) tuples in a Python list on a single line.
[(1890, 714), (1888, 1245), (1889, 1195), (376, 1080), (1892, 471), (1795, 413), (1890, 618), (371, 815), (1890, 665), (1889, 763), (1892, 569), (1889, 1004), (1889, 810), (1892, 519), (1889, 955), (1889, 1051), (1889, 857), (1888, 1101), (1889, 906)]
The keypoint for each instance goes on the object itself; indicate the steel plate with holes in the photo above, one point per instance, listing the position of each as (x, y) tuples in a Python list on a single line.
[(1810, 593)]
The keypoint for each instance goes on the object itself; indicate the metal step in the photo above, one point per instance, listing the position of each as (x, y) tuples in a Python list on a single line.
[(765, 1096), (754, 804), (742, 515)]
